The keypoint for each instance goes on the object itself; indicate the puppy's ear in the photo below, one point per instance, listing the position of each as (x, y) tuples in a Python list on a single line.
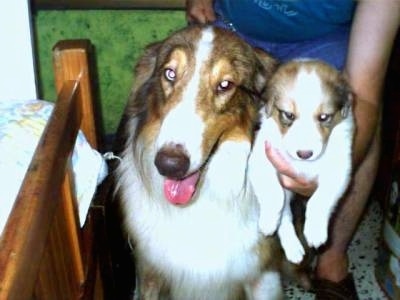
[(347, 105), (268, 65), (346, 95), (270, 103)]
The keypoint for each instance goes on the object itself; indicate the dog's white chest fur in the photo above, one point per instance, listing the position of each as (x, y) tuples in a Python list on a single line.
[(214, 238)]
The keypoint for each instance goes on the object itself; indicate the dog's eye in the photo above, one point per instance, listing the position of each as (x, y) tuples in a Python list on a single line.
[(325, 118), (169, 74), (225, 85), (286, 118), (288, 115)]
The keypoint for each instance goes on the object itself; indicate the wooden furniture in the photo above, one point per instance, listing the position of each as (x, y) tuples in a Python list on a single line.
[(44, 253)]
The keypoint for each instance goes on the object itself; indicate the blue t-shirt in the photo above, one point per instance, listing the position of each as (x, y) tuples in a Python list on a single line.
[(286, 20)]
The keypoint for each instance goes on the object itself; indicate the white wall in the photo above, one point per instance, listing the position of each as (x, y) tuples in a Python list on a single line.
[(17, 71)]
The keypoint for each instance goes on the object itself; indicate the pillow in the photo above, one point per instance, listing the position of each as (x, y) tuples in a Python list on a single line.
[(21, 125)]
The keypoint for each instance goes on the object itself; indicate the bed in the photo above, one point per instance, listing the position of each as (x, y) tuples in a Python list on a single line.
[(49, 237)]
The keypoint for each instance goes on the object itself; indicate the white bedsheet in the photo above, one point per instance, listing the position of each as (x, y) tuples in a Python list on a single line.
[(21, 125)]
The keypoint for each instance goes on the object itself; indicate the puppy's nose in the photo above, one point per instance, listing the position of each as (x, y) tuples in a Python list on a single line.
[(172, 161), (304, 154)]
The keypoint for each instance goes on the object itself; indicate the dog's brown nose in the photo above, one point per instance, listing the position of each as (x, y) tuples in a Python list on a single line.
[(304, 154), (172, 161)]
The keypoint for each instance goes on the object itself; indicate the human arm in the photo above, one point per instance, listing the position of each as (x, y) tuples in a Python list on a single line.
[(373, 31), (200, 11)]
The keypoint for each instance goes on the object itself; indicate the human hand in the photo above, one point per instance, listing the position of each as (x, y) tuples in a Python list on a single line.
[(289, 178), (200, 11)]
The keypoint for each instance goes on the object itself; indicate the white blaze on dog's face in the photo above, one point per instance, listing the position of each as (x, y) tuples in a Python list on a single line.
[(203, 91), (308, 99), (183, 125)]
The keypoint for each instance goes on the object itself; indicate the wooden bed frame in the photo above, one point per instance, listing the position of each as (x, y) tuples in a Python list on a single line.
[(44, 253)]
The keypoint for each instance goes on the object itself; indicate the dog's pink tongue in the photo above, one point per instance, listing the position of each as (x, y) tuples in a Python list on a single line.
[(180, 191)]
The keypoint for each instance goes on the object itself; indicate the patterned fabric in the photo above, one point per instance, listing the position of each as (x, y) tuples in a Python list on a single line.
[(21, 125)]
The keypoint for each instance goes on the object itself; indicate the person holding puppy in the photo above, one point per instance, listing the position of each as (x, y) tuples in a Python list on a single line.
[(354, 37)]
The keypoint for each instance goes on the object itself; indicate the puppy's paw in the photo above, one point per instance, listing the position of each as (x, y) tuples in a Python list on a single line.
[(268, 223), (315, 232), (293, 249)]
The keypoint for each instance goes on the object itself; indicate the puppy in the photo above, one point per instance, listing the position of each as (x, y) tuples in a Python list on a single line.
[(187, 203), (309, 120)]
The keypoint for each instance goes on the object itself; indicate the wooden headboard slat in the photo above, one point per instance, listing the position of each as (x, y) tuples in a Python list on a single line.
[(24, 237), (71, 61)]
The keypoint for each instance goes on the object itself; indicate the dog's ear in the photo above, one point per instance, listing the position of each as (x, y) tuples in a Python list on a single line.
[(346, 95), (347, 105), (146, 65), (270, 103), (268, 65), (143, 71)]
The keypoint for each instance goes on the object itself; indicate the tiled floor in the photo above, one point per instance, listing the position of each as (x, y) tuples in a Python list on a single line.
[(363, 252)]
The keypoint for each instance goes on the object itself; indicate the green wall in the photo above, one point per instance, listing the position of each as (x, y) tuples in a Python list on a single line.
[(119, 37)]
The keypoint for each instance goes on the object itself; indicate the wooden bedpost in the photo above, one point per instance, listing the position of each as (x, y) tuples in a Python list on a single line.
[(44, 253), (71, 61)]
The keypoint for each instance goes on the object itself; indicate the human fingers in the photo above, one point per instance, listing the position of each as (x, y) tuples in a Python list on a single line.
[(200, 11), (298, 185), (289, 177), (279, 162)]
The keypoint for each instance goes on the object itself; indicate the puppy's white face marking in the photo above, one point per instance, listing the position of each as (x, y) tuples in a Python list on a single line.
[(307, 90), (183, 125), (303, 140), (301, 103)]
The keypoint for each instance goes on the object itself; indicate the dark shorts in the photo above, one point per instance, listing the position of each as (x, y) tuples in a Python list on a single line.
[(331, 48)]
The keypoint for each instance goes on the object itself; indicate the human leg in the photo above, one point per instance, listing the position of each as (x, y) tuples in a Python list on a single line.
[(332, 263)]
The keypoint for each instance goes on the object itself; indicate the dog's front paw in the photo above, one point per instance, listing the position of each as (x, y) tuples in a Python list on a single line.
[(268, 223), (293, 249), (315, 232)]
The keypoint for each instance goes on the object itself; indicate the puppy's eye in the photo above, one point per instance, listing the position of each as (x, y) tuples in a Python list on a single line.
[(286, 118), (287, 115), (225, 85), (169, 74), (325, 118)]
